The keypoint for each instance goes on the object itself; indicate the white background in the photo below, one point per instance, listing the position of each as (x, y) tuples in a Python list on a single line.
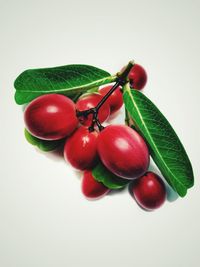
[(44, 219)]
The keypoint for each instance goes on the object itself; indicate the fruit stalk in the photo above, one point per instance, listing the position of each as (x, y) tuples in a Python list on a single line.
[(121, 81)]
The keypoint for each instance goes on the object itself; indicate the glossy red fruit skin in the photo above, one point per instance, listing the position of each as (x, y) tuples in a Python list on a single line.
[(115, 100), (51, 117), (81, 149), (91, 101), (137, 77), (149, 191), (123, 151), (92, 189)]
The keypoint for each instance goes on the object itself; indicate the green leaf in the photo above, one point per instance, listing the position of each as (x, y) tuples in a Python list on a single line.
[(43, 145), (68, 80), (165, 146), (110, 180)]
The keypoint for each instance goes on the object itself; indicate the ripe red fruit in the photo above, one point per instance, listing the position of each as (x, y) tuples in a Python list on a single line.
[(81, 149), (115, 100), (91, 188), (90, 101), (51, 117), (123, 151), (149, 191), (137, 77)]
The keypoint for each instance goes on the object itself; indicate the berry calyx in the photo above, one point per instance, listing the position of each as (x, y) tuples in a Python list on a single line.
[(115, 100), (149, 191), (91, 188), (51, 117), (137, 77), (81, 149), (123, 151), (91, 101)]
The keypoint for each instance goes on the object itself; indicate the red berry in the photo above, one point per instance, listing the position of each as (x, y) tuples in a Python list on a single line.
[(51, 117), (123, 151), (149, 191), (115, 100), (91, 188), (90, 101), (137, 77), (81, 149)]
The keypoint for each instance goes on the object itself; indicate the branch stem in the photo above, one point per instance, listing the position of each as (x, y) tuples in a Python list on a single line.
[(121, 80)]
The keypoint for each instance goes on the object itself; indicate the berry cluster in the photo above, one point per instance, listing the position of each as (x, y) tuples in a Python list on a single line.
[(87, 142)]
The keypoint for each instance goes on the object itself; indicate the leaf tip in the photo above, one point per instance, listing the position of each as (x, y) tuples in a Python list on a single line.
[(17, 99)]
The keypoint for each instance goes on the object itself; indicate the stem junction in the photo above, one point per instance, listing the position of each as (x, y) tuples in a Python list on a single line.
[(121, 80)]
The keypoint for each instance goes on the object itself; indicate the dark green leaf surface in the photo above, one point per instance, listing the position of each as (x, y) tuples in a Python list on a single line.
[(68, 80), (110, 180), (165, 146), (43, 145)]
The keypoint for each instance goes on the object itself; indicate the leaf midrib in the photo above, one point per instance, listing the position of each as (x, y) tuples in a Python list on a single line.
[(88, 85), (158, 153)]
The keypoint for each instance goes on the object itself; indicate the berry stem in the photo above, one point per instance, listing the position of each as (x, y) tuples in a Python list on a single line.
[(103, 100), (122, 79)]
